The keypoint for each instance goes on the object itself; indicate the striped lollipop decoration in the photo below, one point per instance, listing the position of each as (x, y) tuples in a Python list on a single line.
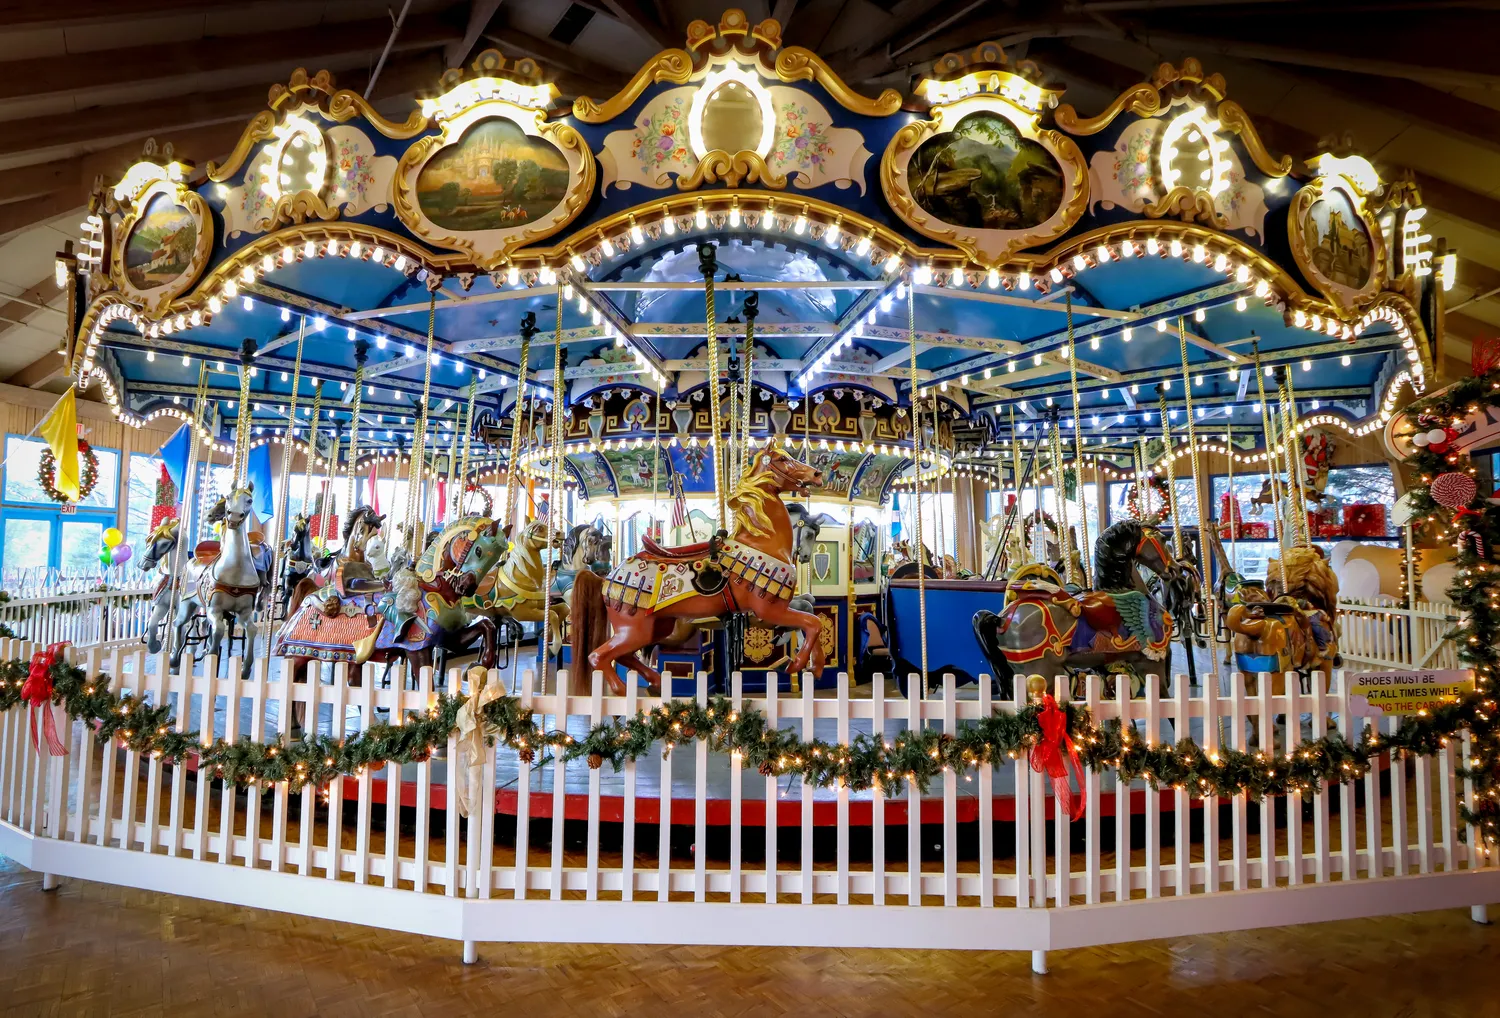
[(1453, 490)]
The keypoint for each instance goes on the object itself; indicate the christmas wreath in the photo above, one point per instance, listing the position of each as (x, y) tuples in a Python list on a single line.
[(489, 500), (1138, 512), (46, 473), (1030, 522)]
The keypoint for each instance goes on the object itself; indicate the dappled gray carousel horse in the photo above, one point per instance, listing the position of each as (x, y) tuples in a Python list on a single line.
[(231, 583)]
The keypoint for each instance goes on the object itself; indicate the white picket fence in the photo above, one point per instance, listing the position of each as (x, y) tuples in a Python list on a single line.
[(1375, 637), (91, 619), (1386, 843)]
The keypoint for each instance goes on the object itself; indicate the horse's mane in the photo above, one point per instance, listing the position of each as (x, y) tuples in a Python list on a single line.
[(748, 500), (216, 511), (167, 528), (436, 556), (1114, 555), (363, 512)]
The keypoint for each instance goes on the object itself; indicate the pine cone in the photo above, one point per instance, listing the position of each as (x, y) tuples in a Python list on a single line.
[(420, 756), (527, 754), (690, 732), (596, 760), (945, 739), (766, 769)]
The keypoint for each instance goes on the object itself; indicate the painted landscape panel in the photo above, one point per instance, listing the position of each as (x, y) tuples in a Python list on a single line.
[(984, 175), (161, 246), (496, 177), (1337, 240)]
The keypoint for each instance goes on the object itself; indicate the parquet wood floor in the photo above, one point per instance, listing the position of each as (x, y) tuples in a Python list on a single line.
[(93, 950)]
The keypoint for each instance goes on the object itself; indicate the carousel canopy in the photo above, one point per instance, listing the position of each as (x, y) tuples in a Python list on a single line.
[(979, 240)]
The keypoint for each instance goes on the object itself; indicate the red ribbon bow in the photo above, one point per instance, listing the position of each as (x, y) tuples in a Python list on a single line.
[(1047, 756), (37, 692)]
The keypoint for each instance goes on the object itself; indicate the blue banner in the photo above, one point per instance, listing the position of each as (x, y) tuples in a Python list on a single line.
[(174, 453)]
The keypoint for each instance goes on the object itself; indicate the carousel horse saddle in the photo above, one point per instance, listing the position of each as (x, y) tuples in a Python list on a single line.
[(205, 552), (683, 553)]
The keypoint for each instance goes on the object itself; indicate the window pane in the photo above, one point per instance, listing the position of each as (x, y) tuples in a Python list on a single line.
[(27, 544), (140, 499), (81, 541), (23, 457)]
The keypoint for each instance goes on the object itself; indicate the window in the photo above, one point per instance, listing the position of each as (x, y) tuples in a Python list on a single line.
[(140, 498), (23, 456)]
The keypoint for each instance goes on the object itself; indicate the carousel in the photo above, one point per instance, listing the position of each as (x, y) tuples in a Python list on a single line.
[(741, 372)]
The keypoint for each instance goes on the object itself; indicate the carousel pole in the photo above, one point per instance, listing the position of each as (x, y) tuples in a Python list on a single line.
[(554, 507), (1083, 510), (286, 459), (1274, 469), (1171, 461), (849, 604), (310, 448), (242, 418), (751, 312), (916, 440), (1211, 603), (517, 411), (463, 470), (1296, 472), (1060, 497), (1234, 505), (419, 441), (940, 551), (708, 265), (361, 354), (189, 491)]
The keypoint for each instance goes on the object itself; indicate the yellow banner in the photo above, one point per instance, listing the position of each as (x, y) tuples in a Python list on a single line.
[(60, 430)]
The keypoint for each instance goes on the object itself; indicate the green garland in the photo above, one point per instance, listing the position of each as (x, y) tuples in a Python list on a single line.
[(917, 757), (46, 473)]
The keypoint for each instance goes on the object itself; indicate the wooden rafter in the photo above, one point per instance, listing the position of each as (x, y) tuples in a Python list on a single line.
[(79, 72)]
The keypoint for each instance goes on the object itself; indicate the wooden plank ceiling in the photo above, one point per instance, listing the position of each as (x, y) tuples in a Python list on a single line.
[(82, 84)]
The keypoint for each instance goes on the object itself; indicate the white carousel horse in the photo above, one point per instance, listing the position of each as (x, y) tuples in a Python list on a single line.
[(231, 583), (161, 551)]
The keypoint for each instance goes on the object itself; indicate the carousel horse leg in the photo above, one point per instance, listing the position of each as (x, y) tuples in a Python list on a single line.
[(780, 613), (630, 634), (247, 624), (179, 643), (220, 619)]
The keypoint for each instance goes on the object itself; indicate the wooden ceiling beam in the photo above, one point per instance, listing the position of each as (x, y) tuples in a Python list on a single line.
[(481, 13), (80, 72), (19, 307), (403, 74), (39, 372), (634, 17), (553, 57), (83, 12)]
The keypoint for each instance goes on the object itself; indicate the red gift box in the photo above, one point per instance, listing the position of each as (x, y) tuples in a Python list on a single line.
[(1256, 531), (326, 527), (1364, 520)]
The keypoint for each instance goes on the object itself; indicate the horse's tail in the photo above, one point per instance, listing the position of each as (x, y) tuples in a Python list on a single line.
[(986, 631), (588, 623)]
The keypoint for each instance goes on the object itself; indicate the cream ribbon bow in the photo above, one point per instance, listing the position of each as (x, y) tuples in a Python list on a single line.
[(471, 747)]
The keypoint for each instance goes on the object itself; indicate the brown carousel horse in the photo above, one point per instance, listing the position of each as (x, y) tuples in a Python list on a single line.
[(363, 523), (752, 570)]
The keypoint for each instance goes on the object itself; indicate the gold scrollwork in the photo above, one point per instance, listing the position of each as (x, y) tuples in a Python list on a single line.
[(796, 63), (1344, 298), (674, 66), (489, 248), (261, 127), (744, 166), (1143, 100), (1233, 118), (987, 246), (155, 299)]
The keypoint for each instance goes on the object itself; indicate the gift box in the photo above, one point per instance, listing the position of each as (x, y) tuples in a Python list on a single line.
[(1364, 520), (326, 527), (1255, 531)]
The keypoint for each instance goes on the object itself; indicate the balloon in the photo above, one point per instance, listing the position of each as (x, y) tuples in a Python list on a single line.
[(1436, 435), (1420, 440), (112, 537), (104, 557), (122, 554)]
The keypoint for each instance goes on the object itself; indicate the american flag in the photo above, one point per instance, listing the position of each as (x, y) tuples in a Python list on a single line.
[(679, 500)]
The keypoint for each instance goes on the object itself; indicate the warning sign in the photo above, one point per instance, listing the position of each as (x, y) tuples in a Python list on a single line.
[(1379, 694)]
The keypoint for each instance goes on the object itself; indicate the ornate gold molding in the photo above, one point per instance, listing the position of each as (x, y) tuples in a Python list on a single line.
[(1168, 83), (672, 65), (1233, 118), (796, 63), (1345, 299), (300, 94), (1144, 100), (743, 166), (155, 299), (490, 248), (989, 247)]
